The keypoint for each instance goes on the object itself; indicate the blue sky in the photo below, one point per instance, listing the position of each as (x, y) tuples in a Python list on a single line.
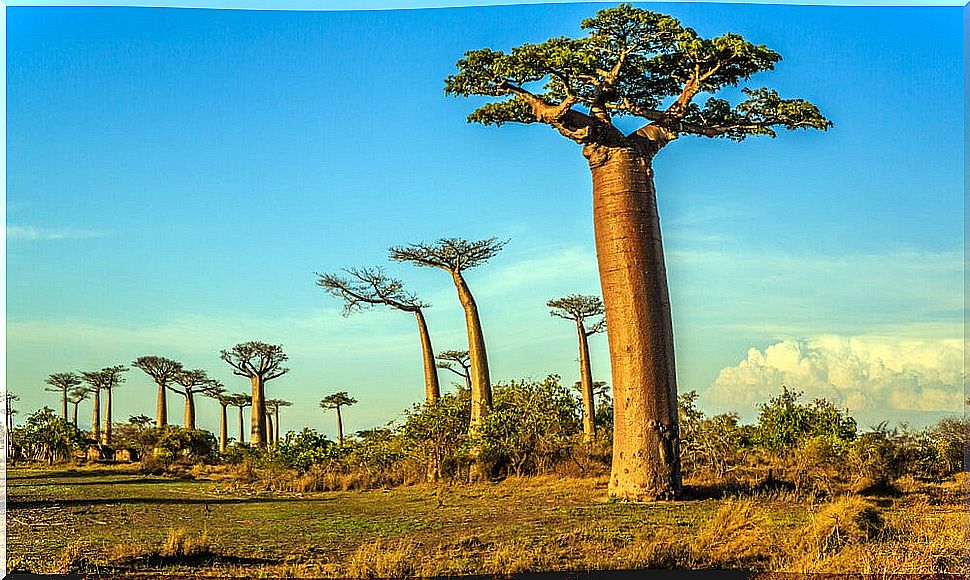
[(175, 177)]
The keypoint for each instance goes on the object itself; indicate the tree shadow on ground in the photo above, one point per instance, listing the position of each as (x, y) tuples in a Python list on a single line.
[(14, 504), (138, 481), (67, 473)]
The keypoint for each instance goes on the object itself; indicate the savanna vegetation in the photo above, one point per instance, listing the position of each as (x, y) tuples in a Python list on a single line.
[(507, 475)]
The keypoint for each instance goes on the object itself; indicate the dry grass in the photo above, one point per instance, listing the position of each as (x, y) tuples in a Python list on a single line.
[(72, 560), (738, 534), (383, 560), (180, 545)]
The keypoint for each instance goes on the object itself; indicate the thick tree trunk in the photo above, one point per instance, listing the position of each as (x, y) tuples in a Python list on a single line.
[(223, 430), (64, 405), (340, 429), (276, 426), (258, 434), (107, 419), (269, 429), (189, 410), (242, 432), (481, 387), (161, 415), (432, 390), (646, 464), (586, 384), (74, 414), (96, 416)]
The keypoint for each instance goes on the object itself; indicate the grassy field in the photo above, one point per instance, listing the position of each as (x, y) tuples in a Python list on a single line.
[(116, 520)]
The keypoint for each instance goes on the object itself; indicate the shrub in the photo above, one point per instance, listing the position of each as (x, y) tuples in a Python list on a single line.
[(847, 520), (783, 422), (305, 449), (47, 437), (435, 435)]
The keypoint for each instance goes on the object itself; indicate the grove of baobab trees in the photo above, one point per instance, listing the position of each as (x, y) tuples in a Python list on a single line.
[(260, 363), (455, 255), (62, 383), (190, 383), (582, 310), (645, 65), (367, 287)]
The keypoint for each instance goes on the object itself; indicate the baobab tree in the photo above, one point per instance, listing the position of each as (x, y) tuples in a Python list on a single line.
[(335, 401), (62, 383), (455, 255), (583, 311), (162, 370), (8, 414), (105, 379), (273, 407), (191, 383), (224, 401), (640, 64), (241, 401), (77, 395), (448, 359), (367, 287), (260, 363)]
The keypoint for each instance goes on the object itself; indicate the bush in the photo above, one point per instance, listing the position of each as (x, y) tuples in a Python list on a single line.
[(784, 422), (305, 449), (47, 437), (435, 435), (171, 443), (713, 443)]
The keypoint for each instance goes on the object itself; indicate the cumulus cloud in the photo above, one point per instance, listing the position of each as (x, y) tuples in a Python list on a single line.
[(860, 373)]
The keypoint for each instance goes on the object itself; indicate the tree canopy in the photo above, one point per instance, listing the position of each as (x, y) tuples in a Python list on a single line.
[(579, 308), (159, 368), (451, 254), (337, 400), (366, 287), (256, 360), (637, 63)]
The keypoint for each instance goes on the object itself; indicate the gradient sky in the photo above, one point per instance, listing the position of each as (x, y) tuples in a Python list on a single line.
[(176, 176)]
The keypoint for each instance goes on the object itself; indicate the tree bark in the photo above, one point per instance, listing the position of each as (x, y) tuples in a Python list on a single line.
[(74, 414), (481, 387), (340, 429), (189, 410), (107, 418), (276, 426), (269, 430), (223, 430), (161, 414), (64, 405), (646, 463), (586, 384), (96, 416), (258, 435), (432, 390), (242, 433)]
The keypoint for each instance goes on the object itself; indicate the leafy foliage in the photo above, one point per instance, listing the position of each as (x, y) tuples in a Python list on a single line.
[(46, 437), (452, 254), (305, 449), (783, 421)]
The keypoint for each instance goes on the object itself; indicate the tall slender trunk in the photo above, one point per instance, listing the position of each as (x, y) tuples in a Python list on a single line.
[(276, 433), (432, 390), (586, 384), (258, 435), (96, 416), (646, 464), (189, 410), (481, 387), (64, 405), (74, 415), (269, 429), (107, 418), (223, 430), (242, 433), (161, 416), (340, 429)]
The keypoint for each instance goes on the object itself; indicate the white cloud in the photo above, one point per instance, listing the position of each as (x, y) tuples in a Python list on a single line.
[(863, 373), (32, 233)]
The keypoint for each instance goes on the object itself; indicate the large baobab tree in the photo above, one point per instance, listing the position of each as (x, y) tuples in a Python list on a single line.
[(587, 313), (260, 363), (191, 383), (241, 401), (449, 359), (455, 255), (335, 401), (367, 287), (77, 395), (62, 383), (163, 371), (273, 407), (646, 66), (105, 379)]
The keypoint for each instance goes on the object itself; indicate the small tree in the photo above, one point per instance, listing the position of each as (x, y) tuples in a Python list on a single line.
[(455, 255), (448, 359), (62, 383), (783, 421), (367, 287), (260, 363), (163, 371), (46, 437), (583, 310), (335, 401), (191, 383)]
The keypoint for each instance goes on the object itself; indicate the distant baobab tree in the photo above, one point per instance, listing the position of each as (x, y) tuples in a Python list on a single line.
[(583, 310), (190, 383), (640, 64), (273, 407), (162, 370), (241, 401), (105, 379), (77, 395), (260, 363), (448, 359), (224, 401), (455, 255), (62, 383), (335, 401), (367, 287)]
